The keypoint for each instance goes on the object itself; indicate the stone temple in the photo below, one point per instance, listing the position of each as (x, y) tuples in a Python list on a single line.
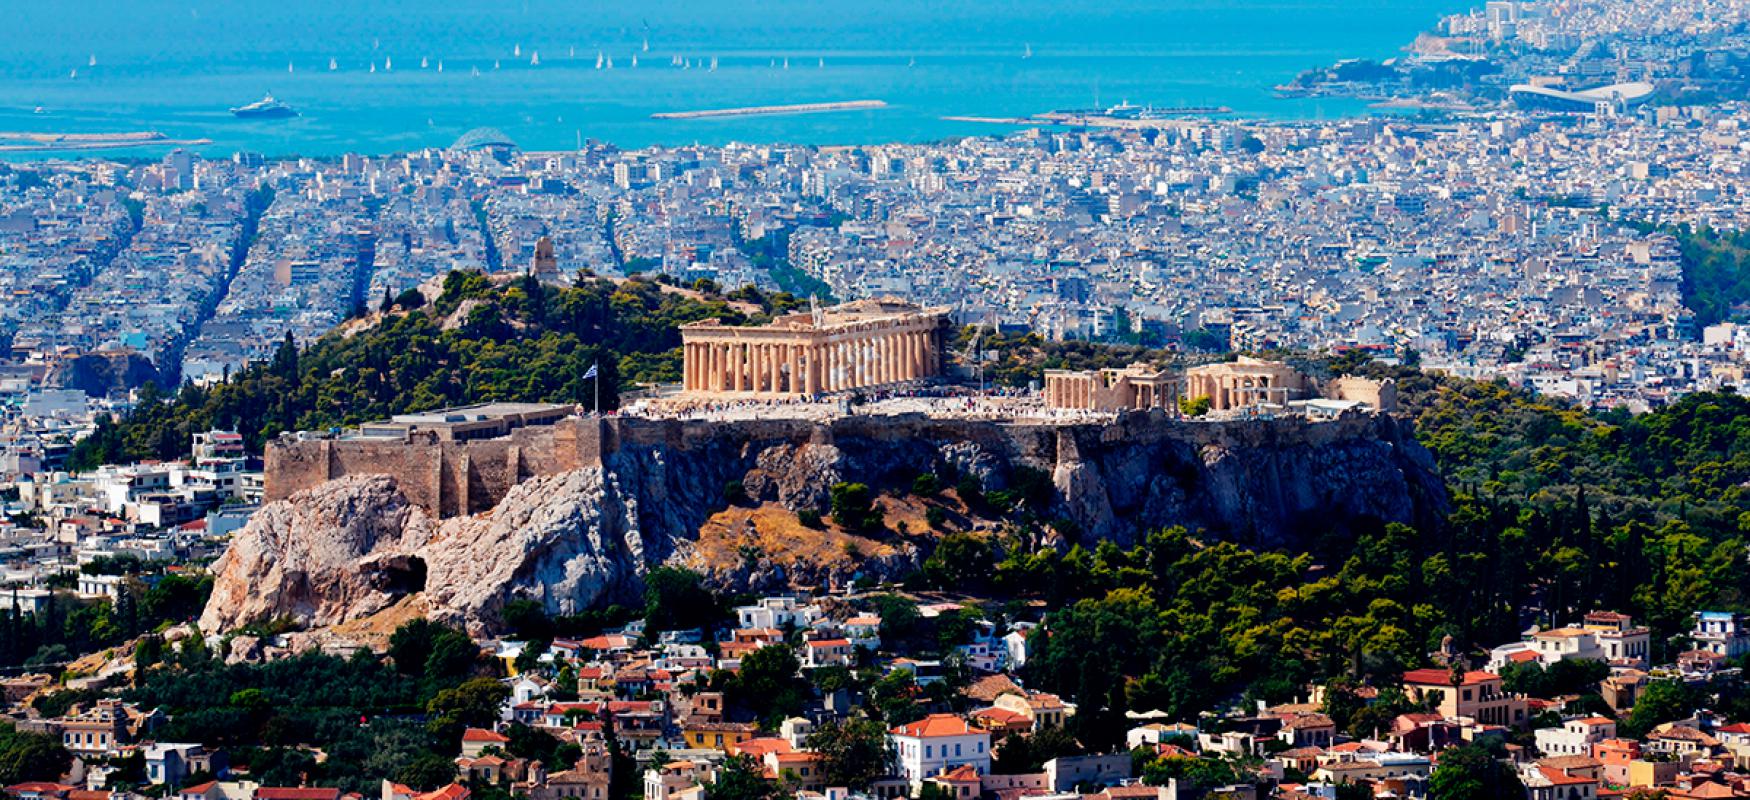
[(867, 343)]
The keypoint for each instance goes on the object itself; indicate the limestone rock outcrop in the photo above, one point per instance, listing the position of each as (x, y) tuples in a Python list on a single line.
[(353, 547)]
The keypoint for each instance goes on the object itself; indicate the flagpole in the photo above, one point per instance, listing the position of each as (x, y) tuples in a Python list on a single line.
[(596, 368)]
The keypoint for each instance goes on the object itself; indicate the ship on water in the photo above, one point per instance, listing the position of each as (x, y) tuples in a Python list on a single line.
[(265, 108)]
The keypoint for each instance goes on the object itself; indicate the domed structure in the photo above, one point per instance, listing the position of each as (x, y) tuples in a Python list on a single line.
[(484, 139)]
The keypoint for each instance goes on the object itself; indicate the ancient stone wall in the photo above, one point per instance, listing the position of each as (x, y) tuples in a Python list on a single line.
[(450, 479), (445, 478)]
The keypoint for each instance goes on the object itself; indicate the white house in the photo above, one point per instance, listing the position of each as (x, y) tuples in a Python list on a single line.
[(937, 743), (777, 612), (1575, 737)]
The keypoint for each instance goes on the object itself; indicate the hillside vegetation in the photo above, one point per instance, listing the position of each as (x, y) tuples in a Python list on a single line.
[(479, 341)]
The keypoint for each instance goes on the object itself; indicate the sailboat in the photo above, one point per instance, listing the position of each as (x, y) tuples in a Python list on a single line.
[(786, 63), (822, 64), (634, 60), (1028, 53), (373, 67), (387, 65), (646, 44), (333, 65), (599, 59), (572, 53), (495, 63), (74, 74), (423, 62), (713, 63), (440, 65), (517, 50), (535, 58), (610, 62), (93, 61), (289, 68), (475, 71)]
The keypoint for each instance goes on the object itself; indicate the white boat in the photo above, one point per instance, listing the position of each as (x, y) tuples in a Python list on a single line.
[(1028, 53), (333, 65), (74, 74), (646, 44), (495, 63), (535, 58), (713, 63), (373, 67), (600, 59), (572, 53), (93, 61), (610, 62), (634, 60), (440, 65), (387, 65), (289, 68), (517, 50), (786, 63), (476, 72), (423, 62), (822, 64)]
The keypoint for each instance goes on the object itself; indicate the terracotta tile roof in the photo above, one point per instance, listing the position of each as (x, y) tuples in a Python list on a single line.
[(296, 793), (454, 791), (1441, 677), (483, 735), (936, 725)]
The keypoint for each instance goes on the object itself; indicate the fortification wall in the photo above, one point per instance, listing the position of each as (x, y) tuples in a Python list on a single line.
[(456, 478), (446, 478)]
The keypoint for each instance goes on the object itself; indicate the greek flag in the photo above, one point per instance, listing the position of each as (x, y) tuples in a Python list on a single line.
[(591, 373)]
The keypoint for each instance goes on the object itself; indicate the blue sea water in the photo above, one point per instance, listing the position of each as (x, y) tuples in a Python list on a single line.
[(176, 66)]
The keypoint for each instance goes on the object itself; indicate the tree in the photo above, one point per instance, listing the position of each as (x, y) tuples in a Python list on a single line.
[(1470, 772), (474, 704), (741, 779), (527, 620), (1028, 753), (676, 599), (768, 683), (1660, 702), (427, 772), (853, 752), (961, 561), (853, 507)]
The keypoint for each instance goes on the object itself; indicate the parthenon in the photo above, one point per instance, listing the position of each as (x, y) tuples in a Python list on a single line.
[(851, 346)]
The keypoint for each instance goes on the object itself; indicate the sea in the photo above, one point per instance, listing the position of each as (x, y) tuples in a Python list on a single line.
[(386, 76)]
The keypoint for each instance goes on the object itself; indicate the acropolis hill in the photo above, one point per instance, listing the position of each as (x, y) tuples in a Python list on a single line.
[(573, 511)]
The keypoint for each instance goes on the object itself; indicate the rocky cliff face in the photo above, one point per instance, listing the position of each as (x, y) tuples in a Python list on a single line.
[(355, 546)]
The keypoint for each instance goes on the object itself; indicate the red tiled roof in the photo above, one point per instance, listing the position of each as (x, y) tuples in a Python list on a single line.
[(296, 793), (483, 735), (936, 725), (454, 791), (1441, 677)]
